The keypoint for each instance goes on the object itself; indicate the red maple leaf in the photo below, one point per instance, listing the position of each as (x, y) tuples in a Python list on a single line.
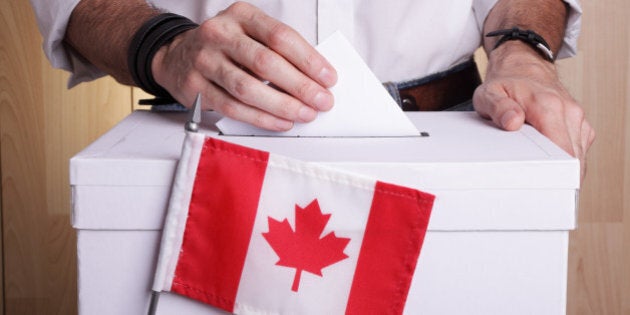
[(303, 249)]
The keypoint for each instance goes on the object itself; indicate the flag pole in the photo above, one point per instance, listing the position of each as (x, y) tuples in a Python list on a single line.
[(192, 125), (155, 296)]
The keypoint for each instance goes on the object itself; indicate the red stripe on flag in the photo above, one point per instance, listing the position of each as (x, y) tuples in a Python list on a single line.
[(393, 237), (220, 222)]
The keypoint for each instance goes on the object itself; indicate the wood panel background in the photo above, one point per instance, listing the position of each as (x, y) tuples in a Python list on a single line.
[(599, 254), (42, 125)]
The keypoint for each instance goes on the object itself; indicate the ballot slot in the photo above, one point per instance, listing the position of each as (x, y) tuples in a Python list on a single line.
[(423, 134)]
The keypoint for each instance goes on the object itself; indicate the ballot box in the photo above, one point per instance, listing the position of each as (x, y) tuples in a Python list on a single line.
[(497, 241)]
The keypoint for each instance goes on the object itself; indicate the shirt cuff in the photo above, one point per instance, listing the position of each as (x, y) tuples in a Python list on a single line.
[(574, 24), (52, 20)]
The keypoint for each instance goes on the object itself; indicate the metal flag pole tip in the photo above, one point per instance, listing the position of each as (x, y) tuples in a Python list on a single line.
[(194, 117)]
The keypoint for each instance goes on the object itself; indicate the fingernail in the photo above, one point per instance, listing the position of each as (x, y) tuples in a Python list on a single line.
[(323, 101), (306, 114), (282, 124), (328, 77)]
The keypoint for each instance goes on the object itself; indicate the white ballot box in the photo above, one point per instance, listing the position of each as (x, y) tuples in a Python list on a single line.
[(497, 241)]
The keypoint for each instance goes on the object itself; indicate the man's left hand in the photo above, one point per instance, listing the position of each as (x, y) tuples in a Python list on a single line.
[(521, 87)]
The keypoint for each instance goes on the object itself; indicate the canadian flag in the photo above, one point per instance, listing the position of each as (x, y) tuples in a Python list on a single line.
[(252, 232)]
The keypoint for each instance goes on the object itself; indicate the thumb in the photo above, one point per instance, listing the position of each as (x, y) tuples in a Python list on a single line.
[(504, 111)]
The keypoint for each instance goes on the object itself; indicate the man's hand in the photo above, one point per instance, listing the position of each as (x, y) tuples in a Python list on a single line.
[(231, 58), (521, 87)]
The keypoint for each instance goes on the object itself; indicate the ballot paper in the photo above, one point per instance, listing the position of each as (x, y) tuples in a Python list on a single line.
[(362, 108)]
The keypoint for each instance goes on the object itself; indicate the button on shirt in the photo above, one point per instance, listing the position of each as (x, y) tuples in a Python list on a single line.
[(399, 40)]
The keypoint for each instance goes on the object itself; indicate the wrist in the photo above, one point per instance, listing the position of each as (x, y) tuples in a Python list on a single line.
[(514, 52), (516, 56), (529, 37), (159, 63), (154, 35)]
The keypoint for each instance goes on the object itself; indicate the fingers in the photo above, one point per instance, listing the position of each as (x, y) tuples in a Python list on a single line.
[(227, 105), (581, 132), (287, 42), (493, 103), (267, 42), (558, 120), (575, 122), (277, 53), (252, 92), (186, 76), (553, 113), (271, 66), (216, 98), (241, 47), (239, 86), (588, 135)]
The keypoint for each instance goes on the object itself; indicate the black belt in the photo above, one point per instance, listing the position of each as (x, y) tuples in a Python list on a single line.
[(438, 91)]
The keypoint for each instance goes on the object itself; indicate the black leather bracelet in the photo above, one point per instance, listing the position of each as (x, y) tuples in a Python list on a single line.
[(153, 34), (528, 36)]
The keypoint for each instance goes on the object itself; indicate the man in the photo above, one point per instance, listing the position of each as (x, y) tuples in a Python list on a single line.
[(233, 51)]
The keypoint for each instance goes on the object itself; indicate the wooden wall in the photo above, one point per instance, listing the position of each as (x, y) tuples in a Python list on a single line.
[(42, 125), (599, 268)]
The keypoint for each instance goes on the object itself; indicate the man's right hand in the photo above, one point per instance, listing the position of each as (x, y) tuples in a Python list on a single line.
[(228, 59)]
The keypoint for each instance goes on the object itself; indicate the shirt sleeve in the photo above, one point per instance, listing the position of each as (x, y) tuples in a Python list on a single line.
[(481, 9), (52, 20)]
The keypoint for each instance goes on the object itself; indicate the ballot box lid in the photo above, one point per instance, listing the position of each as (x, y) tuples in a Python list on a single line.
[(483, 177)]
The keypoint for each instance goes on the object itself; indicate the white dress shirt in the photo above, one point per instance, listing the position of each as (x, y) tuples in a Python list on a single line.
[(399, 40)]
